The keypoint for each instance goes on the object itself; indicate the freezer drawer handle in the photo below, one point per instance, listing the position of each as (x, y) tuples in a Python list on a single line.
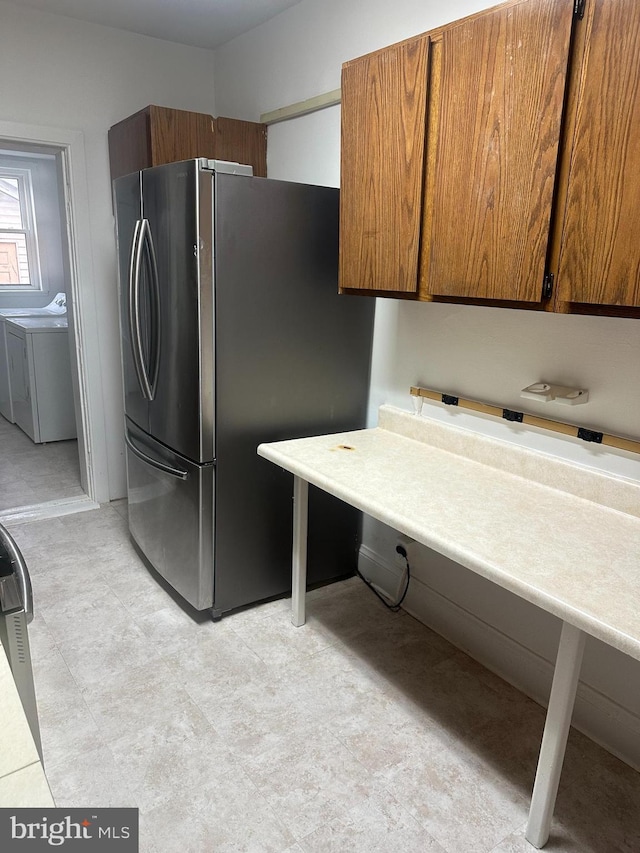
[(21, 572), (161, 466)]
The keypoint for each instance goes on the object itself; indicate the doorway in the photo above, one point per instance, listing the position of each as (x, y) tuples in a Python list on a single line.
[(56, 477), (39, 460)]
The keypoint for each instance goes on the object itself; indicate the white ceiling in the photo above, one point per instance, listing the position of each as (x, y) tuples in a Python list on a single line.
[(201, 23)]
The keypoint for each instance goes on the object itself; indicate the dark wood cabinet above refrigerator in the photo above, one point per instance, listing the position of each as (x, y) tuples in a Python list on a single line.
[(157, 135)]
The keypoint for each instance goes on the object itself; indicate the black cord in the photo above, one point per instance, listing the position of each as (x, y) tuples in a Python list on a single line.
[(396, 605)]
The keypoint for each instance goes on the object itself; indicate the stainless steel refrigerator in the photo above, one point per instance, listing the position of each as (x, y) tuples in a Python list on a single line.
[(233, 333)]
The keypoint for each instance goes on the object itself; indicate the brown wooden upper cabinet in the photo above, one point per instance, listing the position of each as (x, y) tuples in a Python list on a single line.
[(486, 161), (599, 240), (158, 135)]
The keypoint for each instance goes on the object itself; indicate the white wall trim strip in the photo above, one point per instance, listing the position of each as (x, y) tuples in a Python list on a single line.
[(302, 108)]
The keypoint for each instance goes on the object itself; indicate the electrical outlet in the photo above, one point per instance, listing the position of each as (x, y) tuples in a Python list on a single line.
[(402, 549)]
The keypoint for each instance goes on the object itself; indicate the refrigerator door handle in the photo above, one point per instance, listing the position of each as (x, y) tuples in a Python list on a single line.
[(152, 373), (155, 463), (21, 572), (133, 307)]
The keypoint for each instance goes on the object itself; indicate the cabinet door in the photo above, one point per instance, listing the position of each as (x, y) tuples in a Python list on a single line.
[(242, 142), (600, 249), (382, 162), (158, 135), (130, 145), (490, 191), (180, 135)]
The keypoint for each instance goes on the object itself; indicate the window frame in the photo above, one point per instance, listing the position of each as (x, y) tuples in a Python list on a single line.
[(29, 229)]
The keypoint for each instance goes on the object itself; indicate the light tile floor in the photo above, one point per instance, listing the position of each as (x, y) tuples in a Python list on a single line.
[(33, 473), (362, 731)]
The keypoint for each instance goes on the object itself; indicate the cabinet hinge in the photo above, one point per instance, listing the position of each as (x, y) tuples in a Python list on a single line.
[(547, 285), (578, 8)]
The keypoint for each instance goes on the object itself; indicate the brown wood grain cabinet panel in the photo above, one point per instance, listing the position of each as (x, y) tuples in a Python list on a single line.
[(158, 135), (503, 79), (600, 244), (234, 138), (382, 164), (180, 135), (130, 145)]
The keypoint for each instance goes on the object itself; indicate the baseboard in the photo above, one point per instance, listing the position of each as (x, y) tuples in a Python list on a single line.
[(596, 715)]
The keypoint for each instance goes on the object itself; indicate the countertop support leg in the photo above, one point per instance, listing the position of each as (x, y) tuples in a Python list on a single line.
[(299, 556), (556, 731)]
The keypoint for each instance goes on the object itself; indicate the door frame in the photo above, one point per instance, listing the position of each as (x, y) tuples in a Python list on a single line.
[(84, 327)]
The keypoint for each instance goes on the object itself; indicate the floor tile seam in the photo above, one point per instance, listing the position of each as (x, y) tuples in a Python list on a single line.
[(202, 815), (80, 685), (67, 580), (520, 829), (96, 690), (14, 483), (57, 646), (211, 723), (128, 742), (94, 700), (254, 792), (64, 546), (49, 470), (258, 655), (377, 773), (331, 824), (64, 760), (357, 769), (449, 747), (131, 613), (453, 846), (499, 692), (77, 633), (266, 804), (276, 618), (123, 785), (406, 812)]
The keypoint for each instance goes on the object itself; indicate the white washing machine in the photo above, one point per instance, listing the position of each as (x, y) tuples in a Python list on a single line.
[(58, 305)]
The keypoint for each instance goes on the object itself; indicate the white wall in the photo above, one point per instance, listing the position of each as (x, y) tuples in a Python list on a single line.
[(483, 353), (58, 72)]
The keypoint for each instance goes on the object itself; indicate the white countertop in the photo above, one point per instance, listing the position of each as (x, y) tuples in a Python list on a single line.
[(22, 779), (39, 324), (562, 536)]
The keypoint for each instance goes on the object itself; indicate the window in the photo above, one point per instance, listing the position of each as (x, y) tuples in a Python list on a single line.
[(19, 261)]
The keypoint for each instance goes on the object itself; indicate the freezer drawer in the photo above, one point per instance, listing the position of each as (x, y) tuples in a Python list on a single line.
[(171, 508)]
